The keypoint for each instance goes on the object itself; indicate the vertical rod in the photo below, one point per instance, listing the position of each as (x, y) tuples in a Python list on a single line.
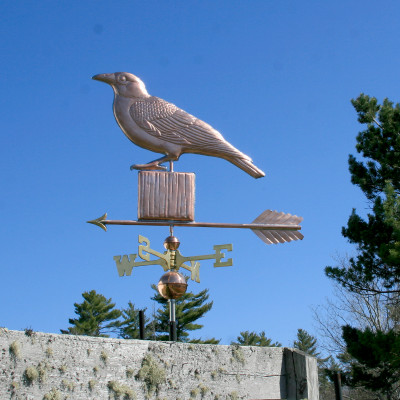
[(172, 308), (337, 380), (172, 321), (141, 324)]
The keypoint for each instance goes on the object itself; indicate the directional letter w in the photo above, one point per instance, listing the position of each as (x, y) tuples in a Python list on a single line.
[(125, 265)]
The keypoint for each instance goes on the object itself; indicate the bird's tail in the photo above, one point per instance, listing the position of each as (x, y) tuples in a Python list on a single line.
[(247, 166)]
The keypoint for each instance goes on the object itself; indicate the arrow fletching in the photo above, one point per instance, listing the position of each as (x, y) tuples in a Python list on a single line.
[(272, 236)]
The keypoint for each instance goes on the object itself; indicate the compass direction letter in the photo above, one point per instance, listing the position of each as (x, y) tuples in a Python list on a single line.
[(219, 255), (194, 270), (126, 264), (170, 260)]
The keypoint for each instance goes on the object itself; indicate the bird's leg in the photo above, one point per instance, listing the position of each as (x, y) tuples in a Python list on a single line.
[(154, 165)]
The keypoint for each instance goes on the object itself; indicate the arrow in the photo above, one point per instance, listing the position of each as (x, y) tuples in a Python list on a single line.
[(271, 227)]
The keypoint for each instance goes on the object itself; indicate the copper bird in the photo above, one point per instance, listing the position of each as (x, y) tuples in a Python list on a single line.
[(159, 126)]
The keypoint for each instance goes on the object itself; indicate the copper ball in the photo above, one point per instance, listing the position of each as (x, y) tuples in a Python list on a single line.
[(172, 285), (171, 243)]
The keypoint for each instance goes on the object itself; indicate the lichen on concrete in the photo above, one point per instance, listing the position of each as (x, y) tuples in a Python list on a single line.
[(152, 374), (31, 374), (203, 390), (194, 393), (104, 356), (145, 369), (68, 385), (237, 354), (92, 384), (49, 352), (15, 350), (63, 369), (54, 394), (121, 391), (233, 396)]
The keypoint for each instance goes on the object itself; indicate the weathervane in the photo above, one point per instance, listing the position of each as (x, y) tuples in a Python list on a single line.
[(166, 198), (171, 259)]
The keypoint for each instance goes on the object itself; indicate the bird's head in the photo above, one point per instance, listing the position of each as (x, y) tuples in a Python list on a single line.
[(124, 84)]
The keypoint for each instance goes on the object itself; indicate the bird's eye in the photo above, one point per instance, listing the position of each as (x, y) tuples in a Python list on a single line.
[(122, 78)]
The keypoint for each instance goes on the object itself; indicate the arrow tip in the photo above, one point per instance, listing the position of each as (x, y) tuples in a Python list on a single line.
[(99, 221)]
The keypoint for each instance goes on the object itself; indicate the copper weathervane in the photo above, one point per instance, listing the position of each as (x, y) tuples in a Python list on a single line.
[(167, 198)]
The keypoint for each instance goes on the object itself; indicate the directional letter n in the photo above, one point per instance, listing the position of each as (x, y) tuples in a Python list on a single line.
[(125, 265)]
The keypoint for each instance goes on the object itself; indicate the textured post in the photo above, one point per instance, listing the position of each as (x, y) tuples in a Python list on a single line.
[(301, 375), (166, 196)]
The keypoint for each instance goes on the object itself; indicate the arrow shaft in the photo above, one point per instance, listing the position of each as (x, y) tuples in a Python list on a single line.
[(281, 227)]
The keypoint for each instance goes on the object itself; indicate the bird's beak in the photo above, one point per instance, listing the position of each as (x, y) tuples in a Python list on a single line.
[(107, 78)]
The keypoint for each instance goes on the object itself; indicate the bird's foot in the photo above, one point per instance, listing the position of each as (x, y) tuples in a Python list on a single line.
[(148, 167)]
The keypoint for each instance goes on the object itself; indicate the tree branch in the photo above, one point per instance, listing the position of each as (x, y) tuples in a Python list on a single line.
[(377, 123)]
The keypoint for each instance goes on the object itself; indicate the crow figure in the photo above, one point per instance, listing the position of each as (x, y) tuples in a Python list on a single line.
[(159, 126)]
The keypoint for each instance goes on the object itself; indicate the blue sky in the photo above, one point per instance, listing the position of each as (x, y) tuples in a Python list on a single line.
[(275, 78)]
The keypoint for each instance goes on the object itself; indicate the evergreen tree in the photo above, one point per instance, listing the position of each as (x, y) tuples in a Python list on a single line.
[(377, 360), (375, 237), (391, 207), (129, 326), (97, 316), (247, 338), (189, 308), (374, 355), (306, 343)]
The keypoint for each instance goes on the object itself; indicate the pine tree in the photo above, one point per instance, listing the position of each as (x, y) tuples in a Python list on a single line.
[(189, 308), (129, 326), (374, 355), (377, 356), (247, 338), (306, 343), (375, 237), (97, 316)]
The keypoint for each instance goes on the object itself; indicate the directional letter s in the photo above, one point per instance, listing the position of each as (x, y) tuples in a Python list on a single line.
[(143, 250)]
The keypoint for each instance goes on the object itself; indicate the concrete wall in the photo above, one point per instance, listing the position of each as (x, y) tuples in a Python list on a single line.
[(55, 367)]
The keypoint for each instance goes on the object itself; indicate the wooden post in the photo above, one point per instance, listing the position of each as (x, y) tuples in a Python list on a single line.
[(141, 324), (337, 380)]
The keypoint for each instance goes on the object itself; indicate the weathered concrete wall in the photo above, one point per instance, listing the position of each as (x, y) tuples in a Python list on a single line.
[(55, 367)]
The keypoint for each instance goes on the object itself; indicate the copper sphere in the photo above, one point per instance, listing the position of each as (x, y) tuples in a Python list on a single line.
[(172, 285), (171, 243)]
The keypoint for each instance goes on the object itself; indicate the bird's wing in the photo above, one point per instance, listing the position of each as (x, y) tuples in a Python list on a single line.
[(164, 120)]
